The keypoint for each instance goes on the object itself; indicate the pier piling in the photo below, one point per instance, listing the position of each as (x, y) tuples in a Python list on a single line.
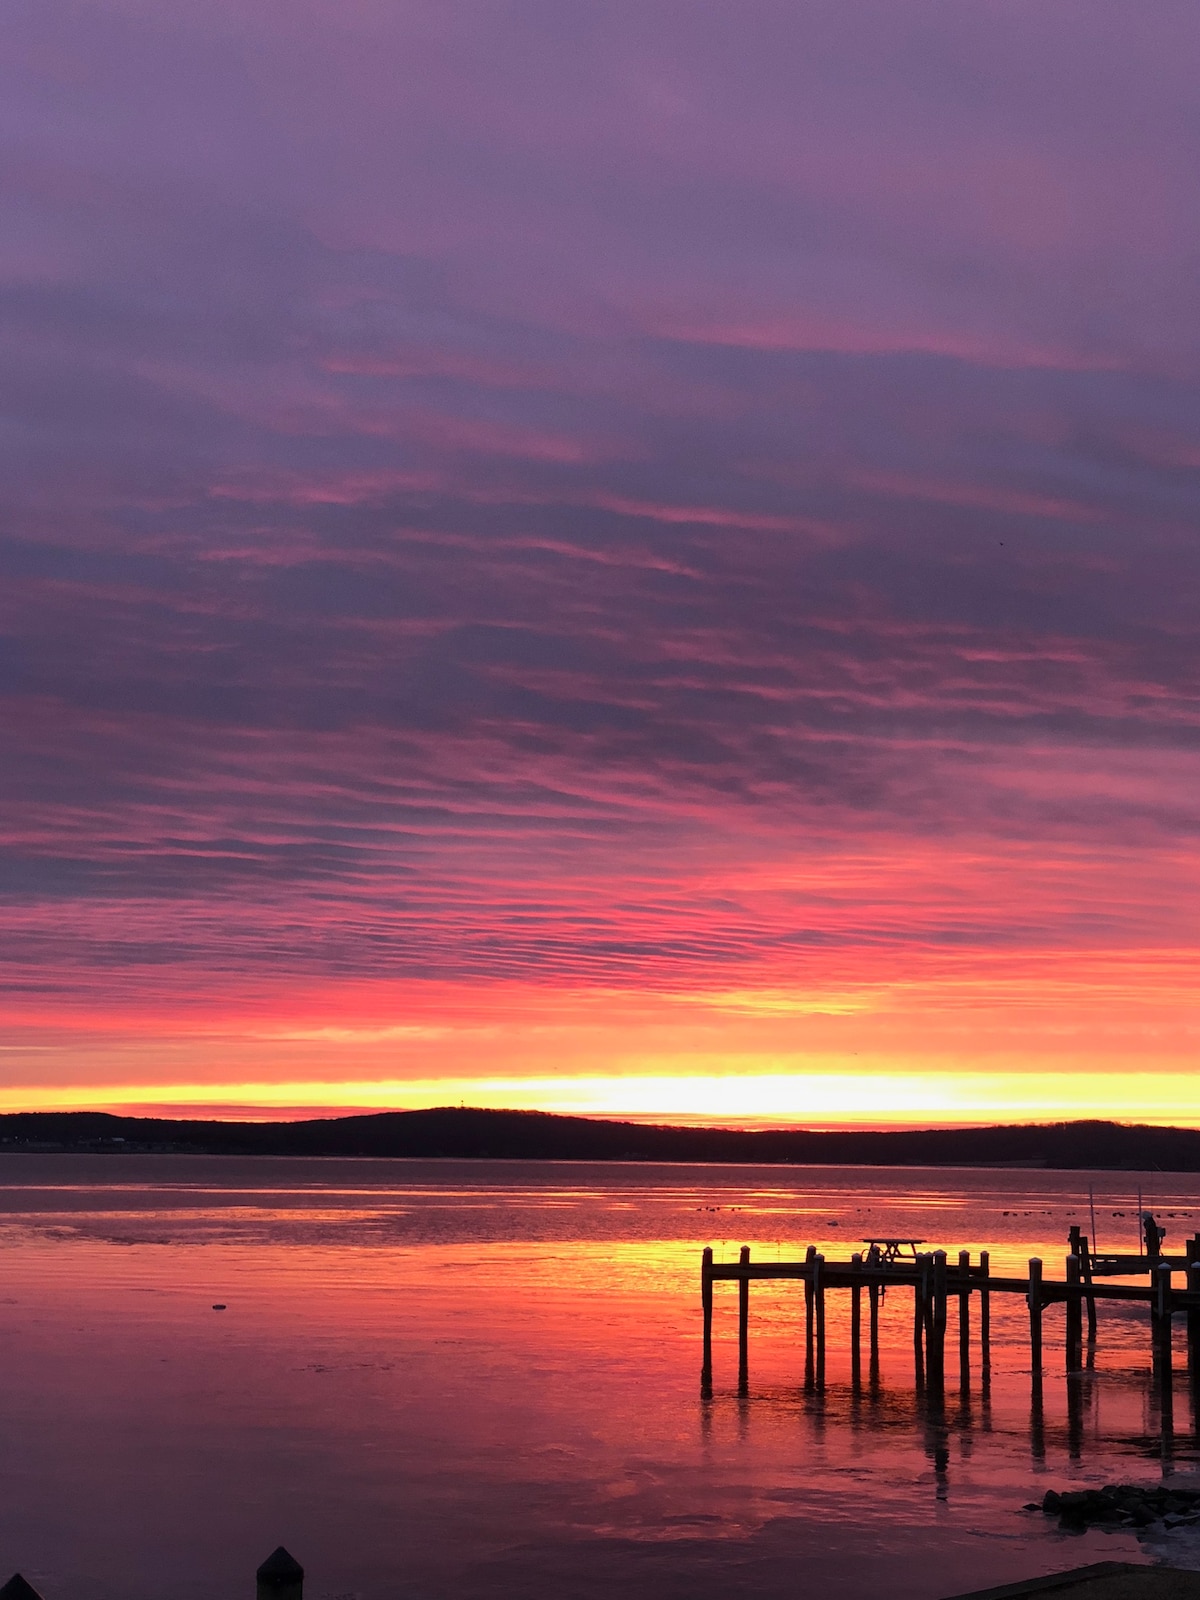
[(744, 1321), (1162, 1318), (1081, 1246), (985, 1316), (964, 1320), (939, 1316), (819, 1297), (706, 1301), (856, 1321), (1035, 1314), (1074, 1317), (810, 1256)]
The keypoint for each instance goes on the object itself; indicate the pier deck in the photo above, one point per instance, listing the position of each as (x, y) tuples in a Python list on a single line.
[(934, 1281)]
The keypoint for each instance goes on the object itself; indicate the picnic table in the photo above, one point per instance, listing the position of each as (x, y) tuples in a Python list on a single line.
[(891, 1250)]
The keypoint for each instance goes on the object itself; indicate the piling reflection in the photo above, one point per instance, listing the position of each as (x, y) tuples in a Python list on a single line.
[(1063, 1415), (1082, 1415), (1076, 1406)]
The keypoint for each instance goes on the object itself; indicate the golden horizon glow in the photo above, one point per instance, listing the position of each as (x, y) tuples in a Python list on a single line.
[(750, 1099)]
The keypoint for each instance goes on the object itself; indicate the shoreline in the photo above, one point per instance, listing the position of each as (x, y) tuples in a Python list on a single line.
[(464, 1133)]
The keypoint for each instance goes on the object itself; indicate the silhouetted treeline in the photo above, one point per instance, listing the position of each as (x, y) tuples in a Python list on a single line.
[(538, 1136)]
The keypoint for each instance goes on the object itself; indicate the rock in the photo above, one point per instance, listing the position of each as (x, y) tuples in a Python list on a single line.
[(1122, 1505)]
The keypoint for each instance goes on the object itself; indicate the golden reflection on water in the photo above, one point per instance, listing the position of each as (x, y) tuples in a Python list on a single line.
[(491, 1383)]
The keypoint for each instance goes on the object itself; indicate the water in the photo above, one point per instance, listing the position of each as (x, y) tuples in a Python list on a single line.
[(482, 1378)]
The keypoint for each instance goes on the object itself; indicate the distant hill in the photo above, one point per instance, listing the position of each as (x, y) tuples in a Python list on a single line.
[(538, 1136)]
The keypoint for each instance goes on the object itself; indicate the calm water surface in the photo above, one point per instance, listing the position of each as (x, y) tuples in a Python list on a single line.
[(461, 1379)]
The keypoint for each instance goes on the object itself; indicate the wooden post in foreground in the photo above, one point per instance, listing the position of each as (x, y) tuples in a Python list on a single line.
[(706, 1300), (964, 1320), (744, 1321), (1035, 1314), (281, 1577), (873, 1300), (19, 1588), (856, 1322), (819, 1297)]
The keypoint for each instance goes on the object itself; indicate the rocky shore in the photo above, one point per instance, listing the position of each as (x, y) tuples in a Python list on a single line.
[(1122, 1505)]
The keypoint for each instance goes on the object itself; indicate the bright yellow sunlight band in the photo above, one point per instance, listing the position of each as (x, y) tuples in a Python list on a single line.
[(790, 1098)]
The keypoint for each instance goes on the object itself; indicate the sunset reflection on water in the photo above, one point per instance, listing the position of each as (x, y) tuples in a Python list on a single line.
[(483, 1378)]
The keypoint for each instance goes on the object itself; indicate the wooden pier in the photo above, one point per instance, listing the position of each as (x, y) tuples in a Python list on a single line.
[(934, 1280)]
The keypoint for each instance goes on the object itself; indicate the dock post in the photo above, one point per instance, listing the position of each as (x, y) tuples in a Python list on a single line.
[(1081, 1246), (920, 1289), (1090, 1302), (1193, 1323), (927, 1295), (1035, 1314), (1193, 1312), (810, 1256), (706, 1301), (1074, 1315), (856, 1321), (281, 1577), (964, 1320), (873, 1302), (985, 1315), (939, 1312), (1162, 1318), (744, 1321), (819, 1296)]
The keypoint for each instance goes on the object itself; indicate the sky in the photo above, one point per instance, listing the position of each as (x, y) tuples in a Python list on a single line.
[(634, 557)]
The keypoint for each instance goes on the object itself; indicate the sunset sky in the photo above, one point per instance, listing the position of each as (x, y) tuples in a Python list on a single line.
[(634, 556)]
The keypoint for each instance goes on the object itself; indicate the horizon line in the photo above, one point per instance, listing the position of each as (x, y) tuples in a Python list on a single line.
[(267, 1115)]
